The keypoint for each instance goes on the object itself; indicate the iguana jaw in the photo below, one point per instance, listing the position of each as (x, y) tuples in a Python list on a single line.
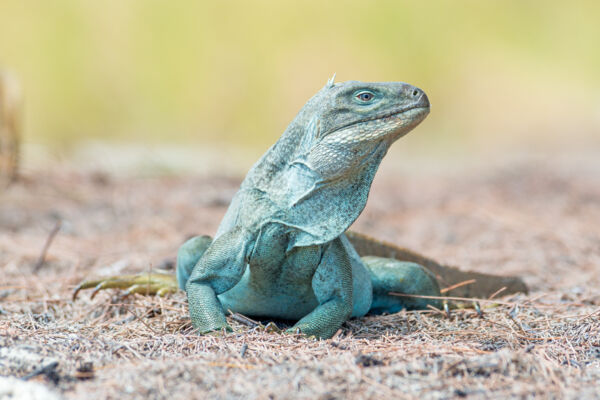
[(388, 126), (410, 119), (416, 114)]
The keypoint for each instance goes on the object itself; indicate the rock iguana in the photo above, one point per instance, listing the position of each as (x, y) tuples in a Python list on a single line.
[(282, 249)]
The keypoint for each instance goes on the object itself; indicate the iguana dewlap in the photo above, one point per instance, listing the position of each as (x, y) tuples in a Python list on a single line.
[(281, 250)]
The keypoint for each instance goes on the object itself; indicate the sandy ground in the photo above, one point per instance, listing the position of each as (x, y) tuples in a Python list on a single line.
[(536, 219)]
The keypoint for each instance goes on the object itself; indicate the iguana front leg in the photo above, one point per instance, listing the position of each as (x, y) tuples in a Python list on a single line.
[(332, 286), (219, 269)]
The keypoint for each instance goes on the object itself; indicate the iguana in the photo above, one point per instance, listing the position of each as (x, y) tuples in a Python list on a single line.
[(282, 250)]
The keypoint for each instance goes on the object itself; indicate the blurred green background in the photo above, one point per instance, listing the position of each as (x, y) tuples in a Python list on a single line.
[(500, 74)]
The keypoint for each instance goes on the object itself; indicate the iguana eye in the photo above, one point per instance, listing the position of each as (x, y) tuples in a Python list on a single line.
[(365, 96)]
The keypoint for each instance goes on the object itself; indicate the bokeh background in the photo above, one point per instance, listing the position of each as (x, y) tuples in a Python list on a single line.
[(218, 82)]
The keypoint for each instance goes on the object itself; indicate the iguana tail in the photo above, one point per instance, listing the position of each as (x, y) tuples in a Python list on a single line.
[(484, 285)]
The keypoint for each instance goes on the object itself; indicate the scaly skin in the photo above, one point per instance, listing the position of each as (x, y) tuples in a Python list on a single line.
[(281, 250)]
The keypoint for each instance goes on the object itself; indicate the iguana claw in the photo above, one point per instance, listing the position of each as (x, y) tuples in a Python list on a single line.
[(155, 283)]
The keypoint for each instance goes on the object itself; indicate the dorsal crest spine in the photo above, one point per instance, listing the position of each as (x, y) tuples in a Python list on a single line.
[(331, 81)]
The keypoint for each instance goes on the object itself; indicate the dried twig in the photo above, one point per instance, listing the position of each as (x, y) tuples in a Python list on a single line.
[(242, 319), (42, 257), (469, 299), (457, 285)]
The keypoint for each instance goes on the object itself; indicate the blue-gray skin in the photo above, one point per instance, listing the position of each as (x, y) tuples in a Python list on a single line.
[(280, 251)]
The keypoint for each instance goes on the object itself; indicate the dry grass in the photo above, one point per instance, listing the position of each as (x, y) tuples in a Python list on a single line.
[(538, 221)]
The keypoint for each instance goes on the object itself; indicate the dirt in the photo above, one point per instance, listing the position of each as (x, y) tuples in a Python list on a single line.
[(537, 219)]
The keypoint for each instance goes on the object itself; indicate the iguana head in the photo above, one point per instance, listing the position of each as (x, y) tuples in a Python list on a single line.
[(358, 111), (346, 122)]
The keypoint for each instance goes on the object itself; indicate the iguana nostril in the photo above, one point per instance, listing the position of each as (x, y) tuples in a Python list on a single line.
[(415, 93)]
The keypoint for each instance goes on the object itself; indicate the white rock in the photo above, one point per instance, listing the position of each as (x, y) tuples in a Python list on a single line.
[(13, 389)]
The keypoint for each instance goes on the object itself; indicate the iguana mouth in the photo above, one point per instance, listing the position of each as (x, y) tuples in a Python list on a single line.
[(380, 116)]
